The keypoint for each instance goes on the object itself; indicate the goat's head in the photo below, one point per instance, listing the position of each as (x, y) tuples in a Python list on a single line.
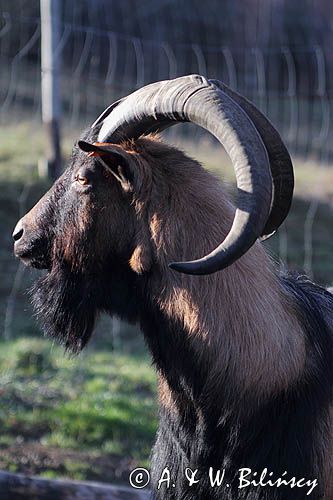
[(93, 214), (81, 218)]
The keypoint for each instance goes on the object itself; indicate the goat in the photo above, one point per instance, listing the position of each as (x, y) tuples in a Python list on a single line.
[(243, 354)]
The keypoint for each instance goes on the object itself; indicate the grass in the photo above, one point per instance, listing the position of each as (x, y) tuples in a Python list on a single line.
[(94, 417), (22, 148), (99, 405)]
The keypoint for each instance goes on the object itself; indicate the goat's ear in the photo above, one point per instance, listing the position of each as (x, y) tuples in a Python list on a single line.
[(114, 159)]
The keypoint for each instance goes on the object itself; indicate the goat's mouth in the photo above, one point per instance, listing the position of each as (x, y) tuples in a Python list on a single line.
[(32, 256)]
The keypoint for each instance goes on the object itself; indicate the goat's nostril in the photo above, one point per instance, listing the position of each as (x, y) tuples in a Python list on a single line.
[(18, 232), (18, 235)]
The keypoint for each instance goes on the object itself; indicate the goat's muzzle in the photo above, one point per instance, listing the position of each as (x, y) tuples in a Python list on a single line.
[(28, 247)]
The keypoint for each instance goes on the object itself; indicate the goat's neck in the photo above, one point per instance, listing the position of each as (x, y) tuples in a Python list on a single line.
[(235, 328), (239, 323)]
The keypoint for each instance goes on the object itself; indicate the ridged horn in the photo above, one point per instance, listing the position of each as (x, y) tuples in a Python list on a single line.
[(279, 159), (197, 100)]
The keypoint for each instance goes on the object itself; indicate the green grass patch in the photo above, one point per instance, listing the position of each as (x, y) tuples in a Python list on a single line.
[(109, 407)]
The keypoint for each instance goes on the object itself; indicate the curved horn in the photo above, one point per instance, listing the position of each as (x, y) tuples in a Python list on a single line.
[(279, 159), (195, 99), (106, 112)]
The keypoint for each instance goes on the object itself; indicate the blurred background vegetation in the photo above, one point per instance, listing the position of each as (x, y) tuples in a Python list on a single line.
[(95, 416)]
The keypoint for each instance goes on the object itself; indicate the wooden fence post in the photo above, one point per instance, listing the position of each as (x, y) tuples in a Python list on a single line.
[(51, 107)]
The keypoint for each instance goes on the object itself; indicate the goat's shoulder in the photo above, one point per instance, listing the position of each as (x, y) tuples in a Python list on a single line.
[(315, 302)]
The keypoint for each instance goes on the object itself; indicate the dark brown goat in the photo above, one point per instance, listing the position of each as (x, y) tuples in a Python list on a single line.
[(244, 356)]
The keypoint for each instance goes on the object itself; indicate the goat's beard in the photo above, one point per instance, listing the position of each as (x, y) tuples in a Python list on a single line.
[(65, 304)]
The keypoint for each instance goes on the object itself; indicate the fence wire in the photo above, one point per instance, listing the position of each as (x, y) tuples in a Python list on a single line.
[(292, 85)]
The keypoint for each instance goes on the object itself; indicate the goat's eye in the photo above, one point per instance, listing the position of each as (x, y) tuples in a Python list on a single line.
[(82, 180), (84, 177)]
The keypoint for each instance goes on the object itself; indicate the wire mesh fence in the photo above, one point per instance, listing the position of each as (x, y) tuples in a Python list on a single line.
[(291, 84)]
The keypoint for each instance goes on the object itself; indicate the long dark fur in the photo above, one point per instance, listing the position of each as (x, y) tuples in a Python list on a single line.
[(65, 298), (64, 302), (284, 434)]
